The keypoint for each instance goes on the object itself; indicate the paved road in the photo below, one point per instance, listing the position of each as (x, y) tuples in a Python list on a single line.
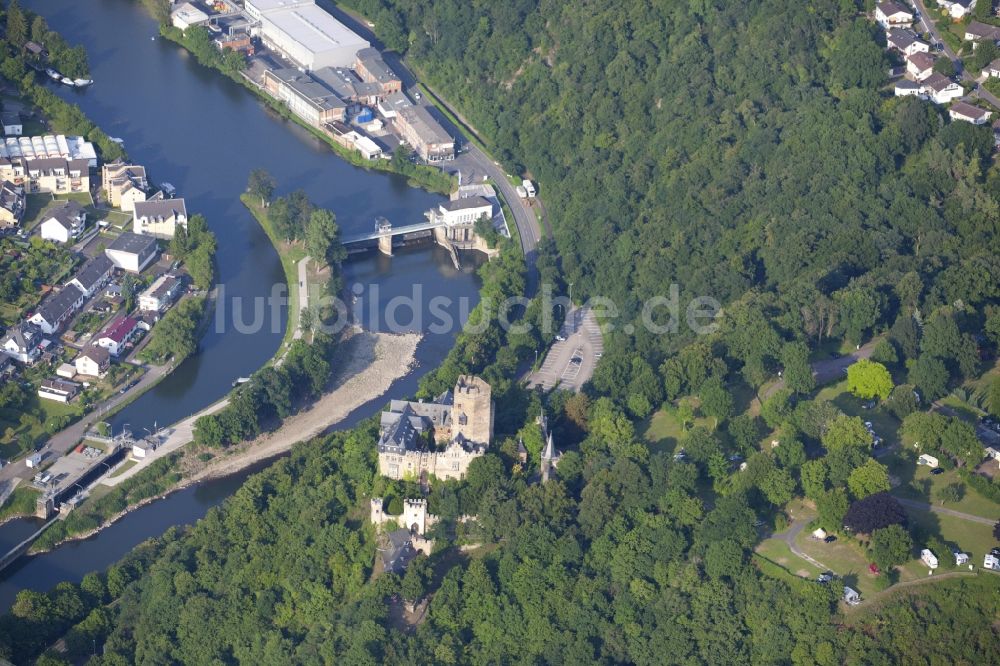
[(583, 341), (923, 506), (789, 536)]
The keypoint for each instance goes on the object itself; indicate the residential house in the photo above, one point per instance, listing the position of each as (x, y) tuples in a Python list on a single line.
[(64, 222), (906, 41), (187, 15), (992, 69), (372, 68), (132, 252), (34, 49), (969, 113), (976, 31), (305, 96), (942, 89), (892, 13), (11, 123), (11, 205), (23, 342), (124, 184), (907, 88), (118, 334), (419, 128), (57, 309), (958, 9), (60, 390), (159, 217), (928, 558), (160, 294), (93, 361), (920, 65), (93, 275)]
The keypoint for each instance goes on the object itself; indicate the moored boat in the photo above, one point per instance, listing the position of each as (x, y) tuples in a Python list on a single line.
[(66, 80), (80, 83), (52, 73)]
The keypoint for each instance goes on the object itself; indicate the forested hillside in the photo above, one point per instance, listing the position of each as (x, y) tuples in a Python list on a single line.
[(743, 150)]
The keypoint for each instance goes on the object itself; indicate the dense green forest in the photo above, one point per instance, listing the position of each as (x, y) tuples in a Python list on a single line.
[(742, 150)]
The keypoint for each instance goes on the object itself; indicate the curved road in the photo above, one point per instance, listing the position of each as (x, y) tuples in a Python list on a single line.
[(923, 506)]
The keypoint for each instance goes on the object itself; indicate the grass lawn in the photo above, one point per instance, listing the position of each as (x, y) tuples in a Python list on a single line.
[(83, 198), (20, 503), (969, 537), (290, 256), (34, 204), (917, 483), (885, 424), (664, 431), (844, 557), (126, 466), (777, 552)]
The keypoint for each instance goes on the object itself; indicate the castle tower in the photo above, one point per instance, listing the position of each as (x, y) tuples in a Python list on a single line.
[(472, 411), (377, 515), (550, 459), (415, 515)]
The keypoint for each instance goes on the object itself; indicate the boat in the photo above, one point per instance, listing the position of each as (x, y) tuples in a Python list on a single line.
[(66, 80), (81, 83), (115, 139), (52, 73)]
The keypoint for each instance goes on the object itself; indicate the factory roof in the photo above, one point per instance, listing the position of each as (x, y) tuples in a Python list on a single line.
[(313, 28)]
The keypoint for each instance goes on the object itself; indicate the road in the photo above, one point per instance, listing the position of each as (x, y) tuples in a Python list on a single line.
[(928, 26), (789, 536), (827, 370), (64, 440), (583, 341), (923, 506)]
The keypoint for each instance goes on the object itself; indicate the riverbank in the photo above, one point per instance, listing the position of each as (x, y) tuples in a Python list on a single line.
[(372, 362), (426, 177)]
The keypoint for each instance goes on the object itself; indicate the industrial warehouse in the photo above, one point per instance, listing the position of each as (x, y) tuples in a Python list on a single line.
[(327, 75)]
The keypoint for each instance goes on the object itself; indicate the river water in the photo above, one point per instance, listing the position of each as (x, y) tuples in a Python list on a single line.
[(194, 128)]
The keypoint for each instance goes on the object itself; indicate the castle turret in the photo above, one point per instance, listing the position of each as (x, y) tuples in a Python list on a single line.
[(377, 515), (550, 458)]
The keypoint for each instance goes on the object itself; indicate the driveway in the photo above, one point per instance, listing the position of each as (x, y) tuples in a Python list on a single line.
[(583, 342), (789, 536)]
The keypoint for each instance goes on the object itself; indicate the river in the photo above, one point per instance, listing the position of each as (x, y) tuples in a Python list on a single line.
[(203, 133)]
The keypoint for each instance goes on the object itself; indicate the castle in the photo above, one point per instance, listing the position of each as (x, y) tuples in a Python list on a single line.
[(412, 434), (414, 517), (550, 454)]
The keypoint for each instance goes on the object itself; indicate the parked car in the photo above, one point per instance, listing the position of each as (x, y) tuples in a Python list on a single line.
[(825, 577), (576, 360), (936, 471), (829, 539)]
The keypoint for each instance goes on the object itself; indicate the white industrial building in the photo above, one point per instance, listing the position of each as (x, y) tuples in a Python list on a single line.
[(305, 33)]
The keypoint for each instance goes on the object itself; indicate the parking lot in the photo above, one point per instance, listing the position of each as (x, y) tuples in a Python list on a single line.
[(571, 361)]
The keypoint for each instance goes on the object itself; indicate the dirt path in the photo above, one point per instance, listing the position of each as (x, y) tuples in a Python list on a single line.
[(923, 506)]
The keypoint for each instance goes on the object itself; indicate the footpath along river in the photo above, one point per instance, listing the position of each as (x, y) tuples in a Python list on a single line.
[(194, 128)]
